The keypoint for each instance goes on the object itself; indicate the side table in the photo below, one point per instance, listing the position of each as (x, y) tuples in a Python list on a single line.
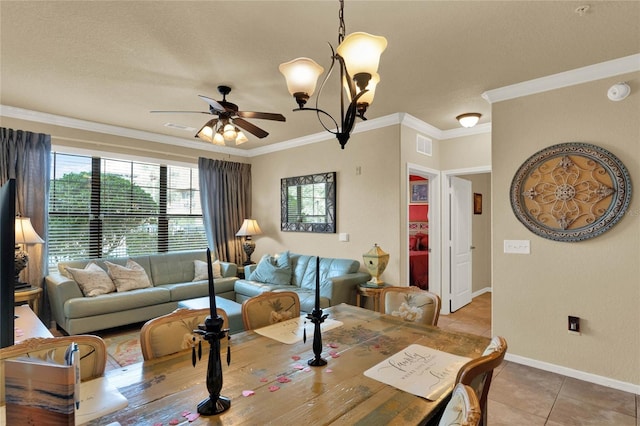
[(31, 295), (370, 290)]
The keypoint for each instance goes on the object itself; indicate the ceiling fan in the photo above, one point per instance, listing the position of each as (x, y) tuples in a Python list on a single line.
[(223, 128)]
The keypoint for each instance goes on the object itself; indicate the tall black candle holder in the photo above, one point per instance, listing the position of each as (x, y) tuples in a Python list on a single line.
[(212, 332), (317, 318)]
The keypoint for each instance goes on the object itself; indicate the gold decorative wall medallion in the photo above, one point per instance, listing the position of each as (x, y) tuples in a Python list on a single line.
[(570, 192)]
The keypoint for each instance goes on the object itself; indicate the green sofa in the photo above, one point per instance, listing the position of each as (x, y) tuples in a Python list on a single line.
[(338, 281), (171, 277)]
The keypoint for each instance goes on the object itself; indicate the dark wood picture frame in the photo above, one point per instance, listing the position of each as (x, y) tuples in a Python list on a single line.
[(477, 203), (419, 192)]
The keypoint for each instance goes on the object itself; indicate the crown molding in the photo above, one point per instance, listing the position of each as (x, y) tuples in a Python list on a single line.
[(401, 118), (586, 74), (466, 131), (90, 126), (362, 126)]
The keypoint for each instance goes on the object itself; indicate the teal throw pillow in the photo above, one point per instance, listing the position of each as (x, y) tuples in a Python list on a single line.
[(273, 269)]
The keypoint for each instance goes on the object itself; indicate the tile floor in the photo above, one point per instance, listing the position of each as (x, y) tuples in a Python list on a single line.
[(522, 395)]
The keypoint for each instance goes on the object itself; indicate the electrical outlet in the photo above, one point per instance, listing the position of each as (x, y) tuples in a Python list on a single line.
[(574, 325)]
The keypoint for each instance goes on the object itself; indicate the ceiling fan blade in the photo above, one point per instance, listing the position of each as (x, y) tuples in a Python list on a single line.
[(254, 130), (183, 112), (213, 103), (262, 115)]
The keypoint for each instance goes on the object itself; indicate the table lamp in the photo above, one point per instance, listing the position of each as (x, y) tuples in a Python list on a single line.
[(25, 234), (249, 228)]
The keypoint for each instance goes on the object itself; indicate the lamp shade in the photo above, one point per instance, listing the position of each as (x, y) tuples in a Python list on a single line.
[(241, 138), (25, 234), (301, 75), (249, 227), (469, 119), (361, 52), (207, 131)]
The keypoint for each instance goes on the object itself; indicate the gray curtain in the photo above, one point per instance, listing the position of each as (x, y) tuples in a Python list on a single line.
[(225, 195), (25, 156)]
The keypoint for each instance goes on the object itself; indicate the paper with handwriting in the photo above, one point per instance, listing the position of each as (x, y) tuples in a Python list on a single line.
[(419, 370), (291, 331)]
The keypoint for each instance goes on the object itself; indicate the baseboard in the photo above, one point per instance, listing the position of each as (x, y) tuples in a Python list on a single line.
[(481, 292), (576, 374)]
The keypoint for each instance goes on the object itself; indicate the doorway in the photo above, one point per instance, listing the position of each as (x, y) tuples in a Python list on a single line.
[(479, 248), (422, 235)]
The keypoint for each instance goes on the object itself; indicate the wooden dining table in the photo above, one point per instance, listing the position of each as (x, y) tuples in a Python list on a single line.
[(168, 388)]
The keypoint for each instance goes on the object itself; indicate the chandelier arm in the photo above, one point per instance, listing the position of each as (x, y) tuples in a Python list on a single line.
[(318, 112)]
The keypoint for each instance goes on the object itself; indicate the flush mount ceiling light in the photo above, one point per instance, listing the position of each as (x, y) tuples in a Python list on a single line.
[(358, 56), (469, 119)]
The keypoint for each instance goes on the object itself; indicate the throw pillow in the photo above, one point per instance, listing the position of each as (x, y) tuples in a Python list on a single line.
[(413, 242), (273, 269), (202, 270), (129, 277), (422, 241), (92, 280)]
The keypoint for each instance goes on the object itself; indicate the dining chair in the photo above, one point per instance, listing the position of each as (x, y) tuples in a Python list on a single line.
[(174, 332), (269, 308), (93, 354), (463, 408), (411, 304), (478, 372)]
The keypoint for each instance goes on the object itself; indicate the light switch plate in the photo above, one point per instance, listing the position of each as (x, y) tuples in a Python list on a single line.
[(343, 236), (517, 246)]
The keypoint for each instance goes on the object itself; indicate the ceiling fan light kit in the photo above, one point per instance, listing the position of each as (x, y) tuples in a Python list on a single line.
[(225, 128), (469, 119), (358, 56)]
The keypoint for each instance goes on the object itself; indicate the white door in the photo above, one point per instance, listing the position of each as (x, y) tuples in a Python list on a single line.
[(460, 242)]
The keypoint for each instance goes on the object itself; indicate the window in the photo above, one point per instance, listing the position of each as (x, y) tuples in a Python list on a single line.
[(115, 208)]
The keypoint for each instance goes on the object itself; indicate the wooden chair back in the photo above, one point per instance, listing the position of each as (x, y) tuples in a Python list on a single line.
[(93, 354), (173, 333), (411, 304), (463, 408), (478, 372), (269, 308)]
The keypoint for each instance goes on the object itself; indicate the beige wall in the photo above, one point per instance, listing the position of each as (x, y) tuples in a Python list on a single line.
[(466, 152), (596, 279), (481, 228), (366, 204)]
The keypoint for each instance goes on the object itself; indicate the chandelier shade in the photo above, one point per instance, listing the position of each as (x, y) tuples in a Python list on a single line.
[(361, 53), (366, 98), (301, 75)]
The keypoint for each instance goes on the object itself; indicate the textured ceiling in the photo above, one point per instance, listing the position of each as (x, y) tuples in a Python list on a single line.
[(112, 62)]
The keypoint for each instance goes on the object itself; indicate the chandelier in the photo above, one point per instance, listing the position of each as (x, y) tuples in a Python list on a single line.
[(358, 56)]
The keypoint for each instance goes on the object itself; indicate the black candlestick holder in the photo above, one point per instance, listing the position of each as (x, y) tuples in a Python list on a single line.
[(317, 318), (212, 332)]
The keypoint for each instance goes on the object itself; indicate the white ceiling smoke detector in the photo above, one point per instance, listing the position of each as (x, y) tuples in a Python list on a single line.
[(618, 91)]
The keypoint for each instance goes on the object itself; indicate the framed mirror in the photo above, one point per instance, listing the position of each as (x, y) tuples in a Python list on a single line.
[(308, 203)]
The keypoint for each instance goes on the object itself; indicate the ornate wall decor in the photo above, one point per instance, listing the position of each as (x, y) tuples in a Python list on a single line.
[(308, 203), (570, 192)]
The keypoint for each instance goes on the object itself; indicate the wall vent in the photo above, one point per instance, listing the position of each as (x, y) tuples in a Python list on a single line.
[(424, 145)]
